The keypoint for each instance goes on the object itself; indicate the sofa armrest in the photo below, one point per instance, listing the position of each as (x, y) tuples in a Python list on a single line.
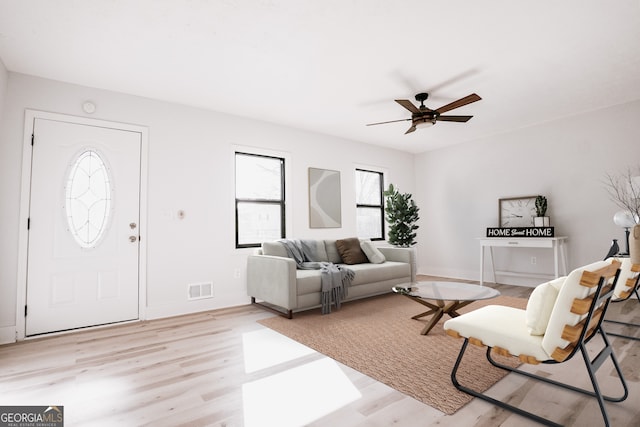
[(407, 255), (272, 279)]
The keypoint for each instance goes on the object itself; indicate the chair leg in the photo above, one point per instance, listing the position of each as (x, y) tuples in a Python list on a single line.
[(631, 337), (606, 352), (592, 367), (594, 382), (618, 322), (490, 399)]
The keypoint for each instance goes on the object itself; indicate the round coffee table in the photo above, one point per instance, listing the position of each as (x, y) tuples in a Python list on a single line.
[(448, 297)]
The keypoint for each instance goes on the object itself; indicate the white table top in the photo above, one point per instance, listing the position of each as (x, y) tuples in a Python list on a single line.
[(451, 291)]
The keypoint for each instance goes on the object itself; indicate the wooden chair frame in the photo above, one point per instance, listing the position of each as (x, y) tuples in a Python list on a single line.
[(633, 284), (579, 335)]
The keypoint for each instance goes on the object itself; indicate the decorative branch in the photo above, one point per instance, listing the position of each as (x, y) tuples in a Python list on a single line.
[(624, 191)]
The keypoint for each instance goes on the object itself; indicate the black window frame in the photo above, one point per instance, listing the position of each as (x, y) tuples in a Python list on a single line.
[(281, 201), (380, 206)]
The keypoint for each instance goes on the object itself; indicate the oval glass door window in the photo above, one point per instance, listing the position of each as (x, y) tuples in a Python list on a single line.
[(88, 199)]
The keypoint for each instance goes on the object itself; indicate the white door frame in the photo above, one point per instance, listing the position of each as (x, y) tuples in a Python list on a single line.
[(25, 197)]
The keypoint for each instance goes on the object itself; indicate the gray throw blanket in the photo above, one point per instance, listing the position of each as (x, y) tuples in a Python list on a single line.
[(335, 279)]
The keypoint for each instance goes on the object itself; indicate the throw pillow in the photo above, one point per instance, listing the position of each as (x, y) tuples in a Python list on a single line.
[(540, 305), (373, 254), (350, 251)]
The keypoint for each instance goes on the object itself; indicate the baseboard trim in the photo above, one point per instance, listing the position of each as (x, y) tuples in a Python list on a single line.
[(517, 279), (7, 334), (195, 306)]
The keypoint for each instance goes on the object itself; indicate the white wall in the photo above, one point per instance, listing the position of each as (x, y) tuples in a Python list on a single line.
[(566, 160), (190, 168), (7, 216), (4, 81)]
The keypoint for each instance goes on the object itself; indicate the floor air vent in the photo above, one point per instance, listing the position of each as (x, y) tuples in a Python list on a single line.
[(200, 290)]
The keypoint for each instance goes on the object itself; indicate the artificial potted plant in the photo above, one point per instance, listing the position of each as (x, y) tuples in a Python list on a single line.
[(401, 214), (540, 220)]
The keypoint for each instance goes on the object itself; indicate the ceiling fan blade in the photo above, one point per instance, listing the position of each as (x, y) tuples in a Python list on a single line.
[(391, 121), (408, 105), (459, 103), (454, 118), (411, 129)]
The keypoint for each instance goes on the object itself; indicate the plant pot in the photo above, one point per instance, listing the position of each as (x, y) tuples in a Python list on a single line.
[(541, 221), (634, 244)]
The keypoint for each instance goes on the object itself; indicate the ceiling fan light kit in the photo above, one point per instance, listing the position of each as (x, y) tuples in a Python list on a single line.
[(425, 123), (422, 117)]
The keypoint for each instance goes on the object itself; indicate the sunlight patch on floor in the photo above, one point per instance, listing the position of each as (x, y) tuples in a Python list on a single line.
[(297, 396), (265, 348)]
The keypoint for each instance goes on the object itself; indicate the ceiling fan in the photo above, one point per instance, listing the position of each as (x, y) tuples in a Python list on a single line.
[(423, 116)]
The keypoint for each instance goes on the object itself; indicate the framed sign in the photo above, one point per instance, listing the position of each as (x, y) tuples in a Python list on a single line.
[(516, 211), (324, 199), (520, 232)]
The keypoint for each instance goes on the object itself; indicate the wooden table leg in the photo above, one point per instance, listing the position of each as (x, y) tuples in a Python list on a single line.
[(442, 308), (434, 319), (433, 308), (437, 311), (454, 306)]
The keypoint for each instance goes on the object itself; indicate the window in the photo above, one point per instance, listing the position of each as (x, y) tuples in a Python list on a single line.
[(369, 204), (260, 204), (88, 199)]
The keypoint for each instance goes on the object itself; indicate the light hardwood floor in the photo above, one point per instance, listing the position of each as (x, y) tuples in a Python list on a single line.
[(221, 368)]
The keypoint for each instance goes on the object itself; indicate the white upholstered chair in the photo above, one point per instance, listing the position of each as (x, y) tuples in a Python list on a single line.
[(560, 319), (626, 288)]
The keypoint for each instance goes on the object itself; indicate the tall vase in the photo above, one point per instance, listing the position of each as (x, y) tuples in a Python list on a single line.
[(634, 244)]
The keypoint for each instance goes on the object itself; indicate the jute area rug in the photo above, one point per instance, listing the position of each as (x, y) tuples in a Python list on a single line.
[(376, 336)]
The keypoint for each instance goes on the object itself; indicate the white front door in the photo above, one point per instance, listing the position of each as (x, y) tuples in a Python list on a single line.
[(84, 215)]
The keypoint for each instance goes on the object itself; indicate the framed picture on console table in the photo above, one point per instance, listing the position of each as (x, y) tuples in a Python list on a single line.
[(516, 211)]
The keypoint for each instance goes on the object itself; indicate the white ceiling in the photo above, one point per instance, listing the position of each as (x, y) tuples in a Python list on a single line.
[(331, 66)]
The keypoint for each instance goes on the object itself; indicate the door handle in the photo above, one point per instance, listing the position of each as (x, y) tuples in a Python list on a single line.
[(133, 239)]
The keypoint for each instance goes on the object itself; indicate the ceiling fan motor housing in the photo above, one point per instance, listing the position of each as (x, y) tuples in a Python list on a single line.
[(425, 116)]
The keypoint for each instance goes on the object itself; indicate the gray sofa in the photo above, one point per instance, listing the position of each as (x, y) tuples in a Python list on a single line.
[(274, 282)]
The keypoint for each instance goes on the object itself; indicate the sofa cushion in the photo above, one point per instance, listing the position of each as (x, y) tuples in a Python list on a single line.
[(350, 251), (315, 250), (274, 249), (371, 273), (373, 254), (309, 281)]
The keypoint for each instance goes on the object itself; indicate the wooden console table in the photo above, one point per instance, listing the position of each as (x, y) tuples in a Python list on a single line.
[(558, 244)]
